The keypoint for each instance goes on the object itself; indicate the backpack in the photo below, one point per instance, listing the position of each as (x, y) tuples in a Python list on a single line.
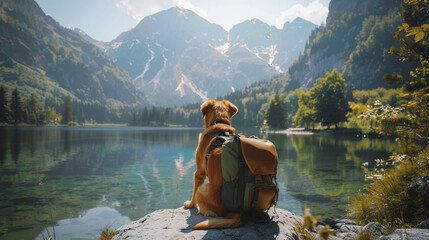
[(249, 168)]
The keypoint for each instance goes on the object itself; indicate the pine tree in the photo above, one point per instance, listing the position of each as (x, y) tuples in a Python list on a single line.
[(4, 107), (15, 106), (67, 111)]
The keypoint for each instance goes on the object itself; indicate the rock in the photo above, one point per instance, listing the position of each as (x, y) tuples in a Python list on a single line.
[(409, 234), (419, 188), (178, 223), (329, 221), (346, 221), (424, 224), (338, 225), (349, 229), (347, 236), (375, 229)]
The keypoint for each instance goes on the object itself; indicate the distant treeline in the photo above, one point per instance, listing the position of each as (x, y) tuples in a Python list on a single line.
[(328, 102), (16, 109)]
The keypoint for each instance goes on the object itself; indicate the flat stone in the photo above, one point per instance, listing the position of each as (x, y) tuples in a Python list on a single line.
[(178, 223), (407, 234)]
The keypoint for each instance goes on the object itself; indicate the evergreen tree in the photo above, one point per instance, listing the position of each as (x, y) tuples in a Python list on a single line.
[(67, 111), (4, 107), (15, 106), (276, 114)]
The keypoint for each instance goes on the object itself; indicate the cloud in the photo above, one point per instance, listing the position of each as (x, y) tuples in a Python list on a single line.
[(139, 9), (188, 5), (314, 12)]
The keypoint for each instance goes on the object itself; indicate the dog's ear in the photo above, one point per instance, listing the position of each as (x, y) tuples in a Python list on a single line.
[(206, 107), (232, 109)]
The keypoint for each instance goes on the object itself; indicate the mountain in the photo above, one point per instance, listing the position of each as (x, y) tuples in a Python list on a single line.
[(355, 40), (277, 47), (39, 55), (177, 57), (87, 38)]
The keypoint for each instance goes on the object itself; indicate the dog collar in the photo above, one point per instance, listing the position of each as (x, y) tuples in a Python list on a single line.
[(217, 122)]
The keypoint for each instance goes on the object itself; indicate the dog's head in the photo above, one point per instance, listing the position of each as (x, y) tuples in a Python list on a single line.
[(217, 111)]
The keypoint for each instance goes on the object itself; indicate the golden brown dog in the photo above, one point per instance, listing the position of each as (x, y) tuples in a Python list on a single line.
[(217, 118)]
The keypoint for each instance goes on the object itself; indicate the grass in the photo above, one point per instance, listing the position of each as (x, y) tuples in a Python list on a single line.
[(107, 233), (386, 200)]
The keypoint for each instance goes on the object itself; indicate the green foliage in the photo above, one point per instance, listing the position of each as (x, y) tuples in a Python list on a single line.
[(306, 114), (276, 114), (39, 56), (67, 111), (4, 106), (386, 200), (385, 96), (357, 41), (329, 99), (28, 110), (365, 99), (15, 106), (367, 64), (33, 111), (325, 102)]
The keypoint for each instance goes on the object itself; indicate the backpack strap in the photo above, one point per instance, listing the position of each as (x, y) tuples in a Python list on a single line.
[(221, 137), (242, 176)]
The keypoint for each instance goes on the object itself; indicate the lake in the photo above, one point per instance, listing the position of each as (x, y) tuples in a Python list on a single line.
[(82, 179)]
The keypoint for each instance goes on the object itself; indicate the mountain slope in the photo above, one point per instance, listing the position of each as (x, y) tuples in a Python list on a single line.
[(177, 57), (38, 55), (355, 40)]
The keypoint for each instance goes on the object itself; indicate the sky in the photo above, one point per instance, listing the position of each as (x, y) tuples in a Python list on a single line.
[(104, 20)]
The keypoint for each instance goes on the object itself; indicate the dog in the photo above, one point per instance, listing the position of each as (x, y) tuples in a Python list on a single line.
[(217, 118)]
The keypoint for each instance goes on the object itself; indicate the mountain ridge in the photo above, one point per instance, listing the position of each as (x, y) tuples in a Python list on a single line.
[(176, 44), (35, 44)]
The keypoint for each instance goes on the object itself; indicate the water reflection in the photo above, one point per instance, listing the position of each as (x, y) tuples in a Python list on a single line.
[(183, 169), (84, 227), (323, 172), (68, 170)]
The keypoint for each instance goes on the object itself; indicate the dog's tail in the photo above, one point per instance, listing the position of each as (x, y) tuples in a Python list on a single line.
[(233, 222)]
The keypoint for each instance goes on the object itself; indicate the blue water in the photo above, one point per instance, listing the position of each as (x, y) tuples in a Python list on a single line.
[(82, 179)]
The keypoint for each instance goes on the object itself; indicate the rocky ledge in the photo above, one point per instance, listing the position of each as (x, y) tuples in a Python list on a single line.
[(178, 223)]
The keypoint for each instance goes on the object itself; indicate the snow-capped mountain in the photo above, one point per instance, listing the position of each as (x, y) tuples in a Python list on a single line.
[(177, 57)]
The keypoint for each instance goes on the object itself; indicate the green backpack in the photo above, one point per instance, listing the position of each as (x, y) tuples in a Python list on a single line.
[(249, 168)]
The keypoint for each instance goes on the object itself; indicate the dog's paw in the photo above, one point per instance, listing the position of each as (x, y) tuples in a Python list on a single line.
[(188, 204)]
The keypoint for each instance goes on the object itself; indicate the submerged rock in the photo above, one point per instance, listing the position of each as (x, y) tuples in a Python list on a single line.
[(178, 223)]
